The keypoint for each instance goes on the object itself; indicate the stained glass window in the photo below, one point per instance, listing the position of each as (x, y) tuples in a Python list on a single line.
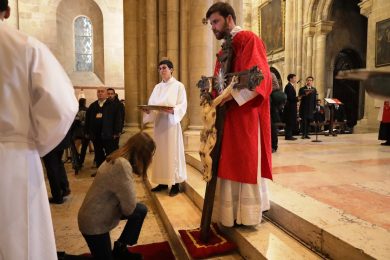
[(83, 37)]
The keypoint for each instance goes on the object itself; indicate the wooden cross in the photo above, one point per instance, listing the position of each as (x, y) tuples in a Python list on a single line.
[(211, 136)]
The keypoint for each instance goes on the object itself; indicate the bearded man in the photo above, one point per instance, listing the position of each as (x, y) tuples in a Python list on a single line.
[(245, 158)]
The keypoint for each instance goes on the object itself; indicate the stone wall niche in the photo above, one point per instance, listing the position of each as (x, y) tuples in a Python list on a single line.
[(67, 12)]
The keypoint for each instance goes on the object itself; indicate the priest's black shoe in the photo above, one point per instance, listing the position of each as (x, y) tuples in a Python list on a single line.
[(121, 251), (174, 190), (386, 143), (159, 187), (56, 201)]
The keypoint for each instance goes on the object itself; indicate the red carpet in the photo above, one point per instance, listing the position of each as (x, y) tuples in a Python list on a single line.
[(216, 245), (153, 251)]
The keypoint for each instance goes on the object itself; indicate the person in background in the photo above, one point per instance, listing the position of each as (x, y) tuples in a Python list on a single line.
[(290, 108), (308, 97), (103, 126), (56, 173), (384, 127), (112, 197), (277, 101), (169, 166), (38, 105)]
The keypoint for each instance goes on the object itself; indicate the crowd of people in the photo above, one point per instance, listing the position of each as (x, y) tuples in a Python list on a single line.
[(43, 120)]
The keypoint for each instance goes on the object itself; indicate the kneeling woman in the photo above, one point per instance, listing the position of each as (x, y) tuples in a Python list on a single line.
[(112, 197)]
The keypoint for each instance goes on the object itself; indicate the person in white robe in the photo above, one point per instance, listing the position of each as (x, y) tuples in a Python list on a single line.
[(169, 166), (38, 106)]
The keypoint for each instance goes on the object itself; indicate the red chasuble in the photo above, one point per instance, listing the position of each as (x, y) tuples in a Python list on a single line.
[(239, 153)]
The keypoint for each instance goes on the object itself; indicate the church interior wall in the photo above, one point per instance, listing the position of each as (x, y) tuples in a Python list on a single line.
[(52, 23)]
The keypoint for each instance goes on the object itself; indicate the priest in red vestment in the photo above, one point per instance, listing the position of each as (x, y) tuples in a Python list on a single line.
[(245, 158), (384, 127)]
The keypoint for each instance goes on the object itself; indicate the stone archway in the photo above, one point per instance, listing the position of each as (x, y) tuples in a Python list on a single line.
[(277, 74), (348, 91)]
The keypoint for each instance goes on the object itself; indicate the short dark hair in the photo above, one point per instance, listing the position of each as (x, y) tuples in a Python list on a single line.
[(290, 76), (3, 5), (310, 77), (111, 89), (224, 9), (166, 62)]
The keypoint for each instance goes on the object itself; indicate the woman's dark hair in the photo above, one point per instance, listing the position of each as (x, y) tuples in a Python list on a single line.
[(224, 9), (139, 150), (3, 5), (166, 62), (290, 76)]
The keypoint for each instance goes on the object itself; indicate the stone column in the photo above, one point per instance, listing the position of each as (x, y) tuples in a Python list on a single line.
[(130, 61), (299, 30), (151, 45), (322, 29), (238, 7), (183, 76), (141, 54), (288, 49), (162, 29), (173, 33), (308, 31), (200, 57)]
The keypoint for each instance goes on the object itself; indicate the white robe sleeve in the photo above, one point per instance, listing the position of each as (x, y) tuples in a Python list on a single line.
[(181, 105), (54, 105)]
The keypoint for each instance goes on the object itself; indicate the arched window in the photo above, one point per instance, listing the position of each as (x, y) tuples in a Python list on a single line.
[(83, 42)]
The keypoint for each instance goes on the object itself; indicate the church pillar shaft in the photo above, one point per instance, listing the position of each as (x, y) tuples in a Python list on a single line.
[(322, 29), (130, 56), (151, 45), (298, 68), (162, 29), (173, 33), (288, 67), (184, 11), (200, 57)]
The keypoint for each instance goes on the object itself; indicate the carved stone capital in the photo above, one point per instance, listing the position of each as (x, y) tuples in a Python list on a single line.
[(324, 27), (308, 29), (365, 7)]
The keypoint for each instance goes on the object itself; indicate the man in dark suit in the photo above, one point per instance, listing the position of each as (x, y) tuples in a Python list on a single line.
[(290, 108), (308, 96), (103, 125)]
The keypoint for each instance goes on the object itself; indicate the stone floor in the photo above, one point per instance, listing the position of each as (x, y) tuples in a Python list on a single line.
[(67, 234), (348, 172)]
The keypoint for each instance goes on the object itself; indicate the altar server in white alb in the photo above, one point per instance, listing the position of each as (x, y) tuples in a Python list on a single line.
[(169, 166), (38, 105)]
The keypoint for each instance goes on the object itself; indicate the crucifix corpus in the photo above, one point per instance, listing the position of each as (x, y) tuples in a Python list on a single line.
[(213, 120)]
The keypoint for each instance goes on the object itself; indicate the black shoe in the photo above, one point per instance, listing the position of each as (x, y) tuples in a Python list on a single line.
[(93, 174), (66, 192), (56, 201), (159, 187), (121, 251), (290, 138), (307, 137), (174, 190), (274, 150), (386, 143)]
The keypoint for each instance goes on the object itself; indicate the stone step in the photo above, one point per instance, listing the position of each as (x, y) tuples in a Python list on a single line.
[(325, 229), (265, 241), (178, 213)]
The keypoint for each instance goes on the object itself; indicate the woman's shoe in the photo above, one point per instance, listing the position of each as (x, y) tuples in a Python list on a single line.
[(121, 251)]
